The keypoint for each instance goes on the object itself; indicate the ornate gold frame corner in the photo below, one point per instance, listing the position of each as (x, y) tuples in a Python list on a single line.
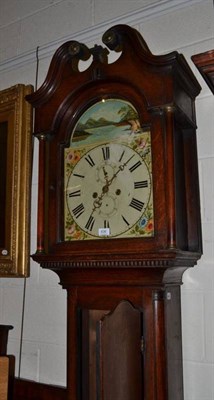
[(15, 182)]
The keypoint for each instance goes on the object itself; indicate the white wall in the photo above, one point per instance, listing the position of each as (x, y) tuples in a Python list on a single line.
[(166, 25)]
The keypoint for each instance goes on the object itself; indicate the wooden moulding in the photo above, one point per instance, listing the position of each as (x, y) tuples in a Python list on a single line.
[(205, 64)]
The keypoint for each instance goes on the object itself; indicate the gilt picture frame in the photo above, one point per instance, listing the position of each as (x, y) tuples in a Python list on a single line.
[(15, 180)]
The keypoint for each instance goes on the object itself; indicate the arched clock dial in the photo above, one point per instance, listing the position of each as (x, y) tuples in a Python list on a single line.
[(108, 190), (108, 175)]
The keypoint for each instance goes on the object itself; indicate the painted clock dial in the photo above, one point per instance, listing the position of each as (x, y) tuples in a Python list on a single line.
[(108, 175)]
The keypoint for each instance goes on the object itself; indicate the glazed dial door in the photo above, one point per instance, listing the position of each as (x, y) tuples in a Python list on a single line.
[(108, 185)]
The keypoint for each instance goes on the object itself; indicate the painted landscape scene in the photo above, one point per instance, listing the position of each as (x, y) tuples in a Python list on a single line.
[(106, 120)]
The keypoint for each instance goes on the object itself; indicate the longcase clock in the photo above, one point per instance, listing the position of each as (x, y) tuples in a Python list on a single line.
[(118, 211)]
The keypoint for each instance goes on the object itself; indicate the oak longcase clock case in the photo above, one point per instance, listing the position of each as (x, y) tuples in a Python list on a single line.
[(119, 211)]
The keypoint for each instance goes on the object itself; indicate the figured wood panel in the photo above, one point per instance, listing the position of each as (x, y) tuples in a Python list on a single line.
[(88, 346), (120, 362), (4, 377)]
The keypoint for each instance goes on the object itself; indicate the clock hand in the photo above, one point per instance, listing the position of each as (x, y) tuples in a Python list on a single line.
[(125, 163), (98, 202), (105, 174), (121, 168)]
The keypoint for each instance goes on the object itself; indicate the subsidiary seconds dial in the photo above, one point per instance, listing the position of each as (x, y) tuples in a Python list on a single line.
[(108, 190)]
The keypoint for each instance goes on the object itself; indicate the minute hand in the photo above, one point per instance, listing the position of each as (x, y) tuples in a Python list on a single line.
[(121, 168)]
